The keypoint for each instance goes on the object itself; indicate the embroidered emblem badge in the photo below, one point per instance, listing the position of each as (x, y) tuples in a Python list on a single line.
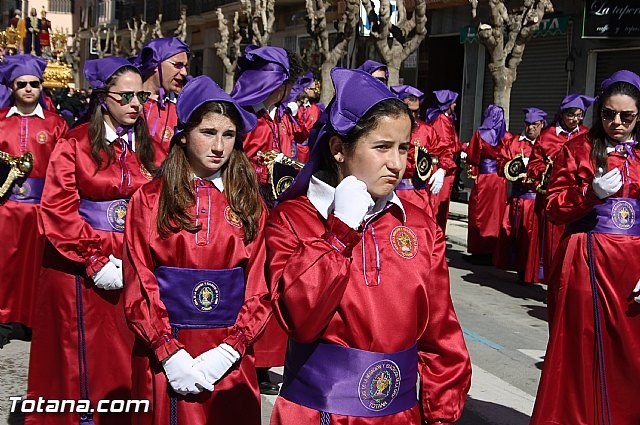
[(231, 217), (167, 134), (117, 213), (623, 215), (145, 172), (283, 184), (42, 137), (404, 241), (206, 295), (379, 385)]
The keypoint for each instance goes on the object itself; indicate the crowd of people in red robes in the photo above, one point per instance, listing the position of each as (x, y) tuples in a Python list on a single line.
[(178, 241)]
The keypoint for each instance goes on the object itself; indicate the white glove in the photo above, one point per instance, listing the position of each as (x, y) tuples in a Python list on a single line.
[(293, 107), (109, 277), (525, 159), (636, 290), (116, 261), (436, 181), (607, 184), (351, 201), (215, 363), (463, 154), (183, 376)]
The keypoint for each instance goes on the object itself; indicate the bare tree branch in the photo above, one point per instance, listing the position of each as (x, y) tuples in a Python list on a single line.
[(228, 48), (181, 31), (261, 17)]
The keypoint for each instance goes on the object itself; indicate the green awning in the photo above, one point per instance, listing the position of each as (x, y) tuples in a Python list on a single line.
[(548, 26)]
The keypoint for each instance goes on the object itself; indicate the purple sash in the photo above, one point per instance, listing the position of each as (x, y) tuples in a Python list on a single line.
[(520, 192), (488, 166), (405, 184), (107, 215), (27, 190), (616, 216), (348, 381), (201, 298)]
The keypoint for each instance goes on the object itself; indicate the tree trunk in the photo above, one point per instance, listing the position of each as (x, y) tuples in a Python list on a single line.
[(503, 79), (327, 86), (394, 73), (228, 81)]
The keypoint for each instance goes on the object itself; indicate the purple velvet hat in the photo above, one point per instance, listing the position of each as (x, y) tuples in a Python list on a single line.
[(579, 101), (624, 76), (302, 83), (532, 115), (493, 127), (444, 99), (19, 65), (98, 71), (201, 90), (261, 71), (158, 50), (356, 93), (370, 66), (405, 90)]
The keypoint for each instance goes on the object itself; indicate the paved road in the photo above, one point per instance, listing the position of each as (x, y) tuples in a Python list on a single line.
[(504, 326)]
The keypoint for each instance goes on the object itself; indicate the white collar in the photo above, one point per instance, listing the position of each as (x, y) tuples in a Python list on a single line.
[(560, 129), (111, 136), (524, 137), (215, 178), (321, 196), (37, 112), (260, 106)]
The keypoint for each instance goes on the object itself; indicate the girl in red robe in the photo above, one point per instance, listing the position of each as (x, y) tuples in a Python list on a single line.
[(81, 347), (592, 367), (194, 270), (359, 279)]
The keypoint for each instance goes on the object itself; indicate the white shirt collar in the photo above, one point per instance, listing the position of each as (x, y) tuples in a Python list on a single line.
[(111, 136), (37, 112), (321, 195), (524, 137), (560, 129), (215, 178)]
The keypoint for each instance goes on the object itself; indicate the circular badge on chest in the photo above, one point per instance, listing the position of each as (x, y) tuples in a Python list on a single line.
[(167, 134), (623, 215), (379, 385), (117, 214), (145, 172), (206, 295), (231, 217), (42, 137), (404, 242)]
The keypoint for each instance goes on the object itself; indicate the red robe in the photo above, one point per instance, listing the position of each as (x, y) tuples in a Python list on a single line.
[(548, 145), (236, 397), (78, 250), (21, 230), (447, 148), (308, 115), (161, 123), (517, 241), (320, 293), (569, 389), (488, 199)]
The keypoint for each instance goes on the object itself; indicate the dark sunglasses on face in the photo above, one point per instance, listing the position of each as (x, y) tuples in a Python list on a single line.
[(22, 84), (179, 65), (383, 79), (127, 96), (626, 117)]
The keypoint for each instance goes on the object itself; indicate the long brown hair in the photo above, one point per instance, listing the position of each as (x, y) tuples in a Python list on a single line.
[(597, 134), (238, 177), (99, 145)]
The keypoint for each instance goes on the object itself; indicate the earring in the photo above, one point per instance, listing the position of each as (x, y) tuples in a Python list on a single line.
[(340, 158)]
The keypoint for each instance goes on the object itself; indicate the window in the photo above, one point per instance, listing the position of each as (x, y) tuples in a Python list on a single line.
[(60, 6)]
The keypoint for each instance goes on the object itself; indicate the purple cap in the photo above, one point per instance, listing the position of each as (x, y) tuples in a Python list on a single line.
[(201, 90), (444, 100), (356, 93), (621, 76), (532, 115), (156, 51), (19, 65), (405, 90), (261, 71), (579, 101), (302, 83), (98, 71), (493, 127), (370, 66)]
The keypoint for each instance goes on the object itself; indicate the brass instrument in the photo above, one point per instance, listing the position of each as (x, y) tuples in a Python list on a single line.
[(542, 186), (19, 166), (470, 172), (424, 164), (515, 169), (282, 170)]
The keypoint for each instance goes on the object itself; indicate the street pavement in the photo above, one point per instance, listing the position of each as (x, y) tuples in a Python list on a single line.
[(504, 325)]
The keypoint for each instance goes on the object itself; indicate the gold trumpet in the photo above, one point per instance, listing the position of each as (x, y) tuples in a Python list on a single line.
[(273, 155), (20, 166), (542, 186)]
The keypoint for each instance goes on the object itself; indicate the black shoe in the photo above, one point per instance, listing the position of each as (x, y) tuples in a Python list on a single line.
[(269, 388), (9, 331)]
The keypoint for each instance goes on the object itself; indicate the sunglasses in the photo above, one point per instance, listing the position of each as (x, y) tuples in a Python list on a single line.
[(22, 84), (179, 65), (626, 117), (127, 96), (383, 79)]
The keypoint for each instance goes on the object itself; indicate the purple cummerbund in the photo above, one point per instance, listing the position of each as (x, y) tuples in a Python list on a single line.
[(201, 298), (488, 166), (105, 215), (616, 216), (27, 190), (347, 381), (405, 184), (520, 192)]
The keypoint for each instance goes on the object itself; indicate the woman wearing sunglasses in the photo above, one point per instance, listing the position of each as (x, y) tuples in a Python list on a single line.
[(82, 347), (592, 368)]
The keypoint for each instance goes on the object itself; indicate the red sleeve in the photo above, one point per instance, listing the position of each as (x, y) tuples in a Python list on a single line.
[(474, 149), (537, 161), (447, 144), (505, 154), (307, 277), (146, 314), (258, 140), (570, 195), (443, 359), (64, 227)]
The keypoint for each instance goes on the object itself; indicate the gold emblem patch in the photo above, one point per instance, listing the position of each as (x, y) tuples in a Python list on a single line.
[(42, 137), (404, 242), (231, 217), (167, 134)]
